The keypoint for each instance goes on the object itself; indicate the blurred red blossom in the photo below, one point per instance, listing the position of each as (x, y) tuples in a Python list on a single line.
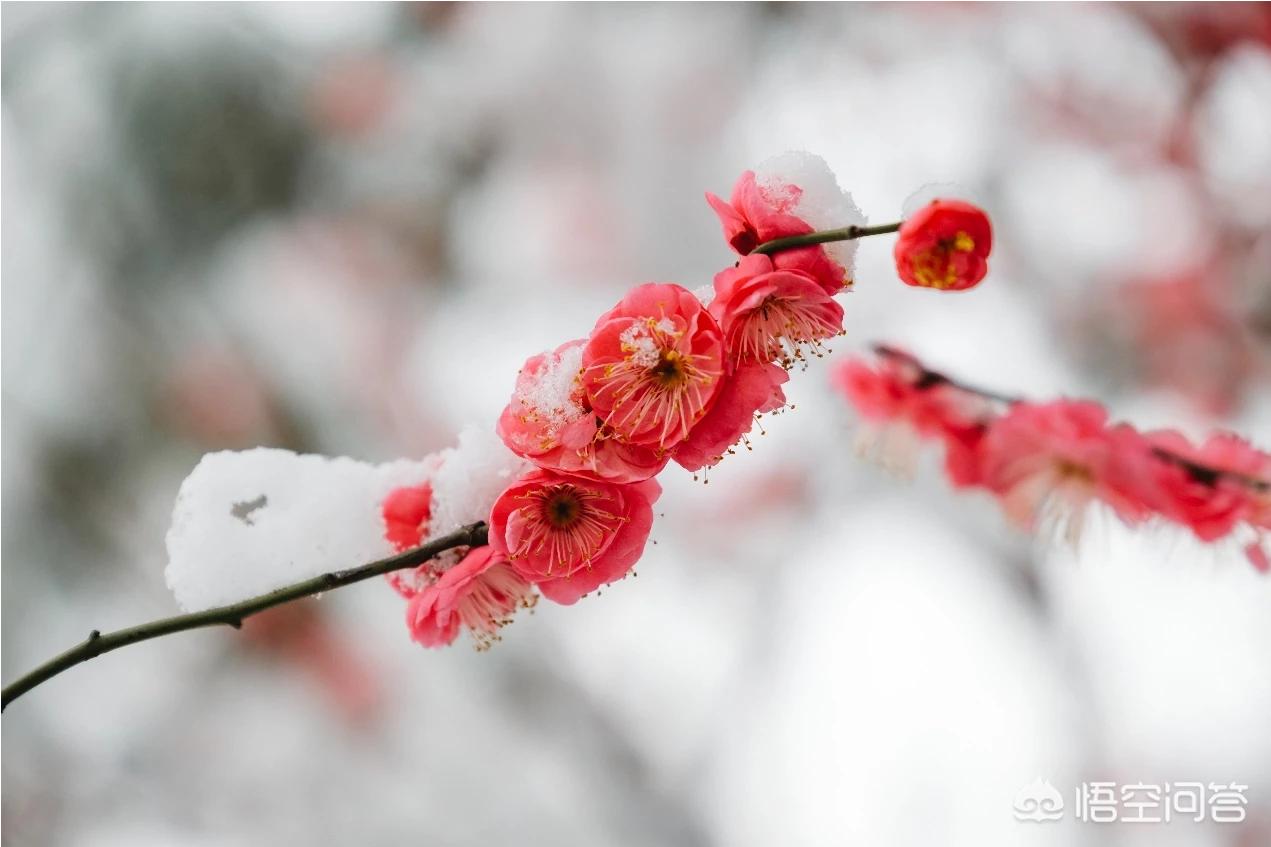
[(1186, 334), (1063, 455), (1047, 462), (301, 637), (894, 391), (1202, 487)]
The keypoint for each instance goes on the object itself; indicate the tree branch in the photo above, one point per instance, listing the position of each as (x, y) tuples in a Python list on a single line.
[(847, 233), (1202, 473), (234, 614)]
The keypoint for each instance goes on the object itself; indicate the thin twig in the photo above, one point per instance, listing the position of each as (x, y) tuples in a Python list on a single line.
[(234, 614), (847, 233), (928, 378)]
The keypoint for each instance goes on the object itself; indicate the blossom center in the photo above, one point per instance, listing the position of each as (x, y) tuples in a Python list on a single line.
[(671, 371), (657, 388), (562, 509), (962, 243), (1068, 470), (565, 525), (745, 241), (934, 267)]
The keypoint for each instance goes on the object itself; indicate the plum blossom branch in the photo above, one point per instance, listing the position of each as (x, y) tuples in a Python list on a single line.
[(1046, 462), (666, 375), (825, 236), (1208, 475), (1199, 471), (928, 377), (233, 615)]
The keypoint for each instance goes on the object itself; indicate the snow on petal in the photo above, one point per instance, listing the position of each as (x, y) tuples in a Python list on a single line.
[(801, 184)]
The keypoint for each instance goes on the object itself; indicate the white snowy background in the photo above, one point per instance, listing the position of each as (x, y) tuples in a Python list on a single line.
[(341, 229)]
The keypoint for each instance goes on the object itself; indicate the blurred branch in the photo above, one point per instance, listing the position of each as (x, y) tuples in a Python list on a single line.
[(847, 233), (234, 614), (927, 378), (1202, 473)]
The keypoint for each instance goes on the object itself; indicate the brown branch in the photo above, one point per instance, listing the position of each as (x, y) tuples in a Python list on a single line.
[(847, 233), (234, 614)]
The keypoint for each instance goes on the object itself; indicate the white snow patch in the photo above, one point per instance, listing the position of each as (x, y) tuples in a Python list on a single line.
[(470, 479), (551, 394), (248, 522), (638, 339), (819, 201)]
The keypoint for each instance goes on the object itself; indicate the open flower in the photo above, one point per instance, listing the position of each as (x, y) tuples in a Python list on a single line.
[(653, 365), (944, 245), (792, 194), (769, 315), (571, 535), (1049, 461), (550, 422), (481, 592)]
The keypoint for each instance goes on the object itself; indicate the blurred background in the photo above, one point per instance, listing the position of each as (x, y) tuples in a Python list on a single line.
[(342, 228)]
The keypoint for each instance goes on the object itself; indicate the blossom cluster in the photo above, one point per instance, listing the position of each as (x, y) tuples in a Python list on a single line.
[(667, 375), (1048, 462)]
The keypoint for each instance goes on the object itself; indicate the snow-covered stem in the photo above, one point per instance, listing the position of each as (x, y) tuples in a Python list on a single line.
[(233, 615), (825, 236), (1200, 472)]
